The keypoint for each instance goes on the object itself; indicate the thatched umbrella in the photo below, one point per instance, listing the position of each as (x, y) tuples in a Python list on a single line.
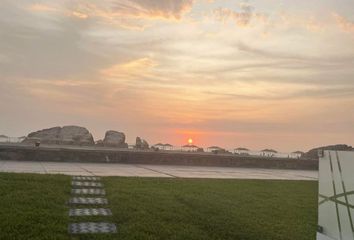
[(269, 150), (241, 149), (190, 147)]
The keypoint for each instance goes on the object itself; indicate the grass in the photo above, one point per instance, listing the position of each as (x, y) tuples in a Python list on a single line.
[(33, 207)]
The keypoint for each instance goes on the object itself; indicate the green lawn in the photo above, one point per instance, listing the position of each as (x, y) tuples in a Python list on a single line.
[(33, 207)]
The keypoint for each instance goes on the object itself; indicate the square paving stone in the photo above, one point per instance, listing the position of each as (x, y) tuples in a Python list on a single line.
[(92, 227), (90, 212), (86, 178), (86, 184), (88, 191), (91, 201)]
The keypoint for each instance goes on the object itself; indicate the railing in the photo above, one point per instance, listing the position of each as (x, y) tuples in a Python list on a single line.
[(11, 139)]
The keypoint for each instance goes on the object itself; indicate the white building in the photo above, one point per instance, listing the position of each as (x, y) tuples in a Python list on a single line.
[(168, 146), (160, 146)]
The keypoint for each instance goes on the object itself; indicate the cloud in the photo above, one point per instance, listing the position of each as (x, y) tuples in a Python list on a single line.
[(40, 7), (309, 93), (242, 18), (128, 14), (165, 9), (136, 68), (79, 14), (43, 46), (345, 24), (50, 8)]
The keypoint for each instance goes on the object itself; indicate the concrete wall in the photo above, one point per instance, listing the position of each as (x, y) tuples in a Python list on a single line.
[(85, 154)]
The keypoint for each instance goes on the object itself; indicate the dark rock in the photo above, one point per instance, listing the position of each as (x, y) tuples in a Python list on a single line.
[(141, 143), (313, 153), (114, 139), (67, 135)]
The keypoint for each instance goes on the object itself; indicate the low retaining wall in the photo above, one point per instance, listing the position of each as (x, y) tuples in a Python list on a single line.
[(70, 154)]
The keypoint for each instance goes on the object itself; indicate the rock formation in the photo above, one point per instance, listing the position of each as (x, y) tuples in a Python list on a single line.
[(145, 144), (114, 139), (141, 143), (313, 153), (67, 135)]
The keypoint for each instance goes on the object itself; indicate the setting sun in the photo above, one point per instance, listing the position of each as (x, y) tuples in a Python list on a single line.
[(190, 141)]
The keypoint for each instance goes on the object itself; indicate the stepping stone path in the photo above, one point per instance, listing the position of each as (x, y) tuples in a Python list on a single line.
[(89, 201), (86, 184), (82, 178), (88, 191), (81, 186), (90, 212), (92, 227)]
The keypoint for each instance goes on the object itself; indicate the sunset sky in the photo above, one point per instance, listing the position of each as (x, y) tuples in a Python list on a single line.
[(255, 74)]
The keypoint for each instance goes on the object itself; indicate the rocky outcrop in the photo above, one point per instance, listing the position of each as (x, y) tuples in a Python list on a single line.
[(313, 153), (67, 135), (76, 135), (141, 143), (114, 139)]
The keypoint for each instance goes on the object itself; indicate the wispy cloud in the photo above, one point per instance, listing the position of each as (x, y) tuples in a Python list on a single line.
[(281, 94), (138, 68), (40, 7), (128, 14), (242, 18), (344, 23), (166, 9)]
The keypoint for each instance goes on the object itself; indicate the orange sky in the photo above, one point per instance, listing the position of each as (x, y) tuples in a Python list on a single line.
[(255, 74)]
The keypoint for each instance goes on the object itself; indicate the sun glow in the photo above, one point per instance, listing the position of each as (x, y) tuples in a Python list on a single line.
[(190, 141)]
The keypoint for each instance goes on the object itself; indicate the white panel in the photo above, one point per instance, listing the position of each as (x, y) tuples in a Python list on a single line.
[(321, 236), (335, 215), (327, 219)]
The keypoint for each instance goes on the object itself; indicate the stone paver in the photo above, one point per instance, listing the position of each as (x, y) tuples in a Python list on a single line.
[(86, 178), (92, 227), (89, 212), (88, 191), (86, 184), (89, 201), (115, 169)]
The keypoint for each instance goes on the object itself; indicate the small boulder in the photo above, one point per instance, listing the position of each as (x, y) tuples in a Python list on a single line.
[(138, 143), (141, 143), (114, 139), (145, 144)]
